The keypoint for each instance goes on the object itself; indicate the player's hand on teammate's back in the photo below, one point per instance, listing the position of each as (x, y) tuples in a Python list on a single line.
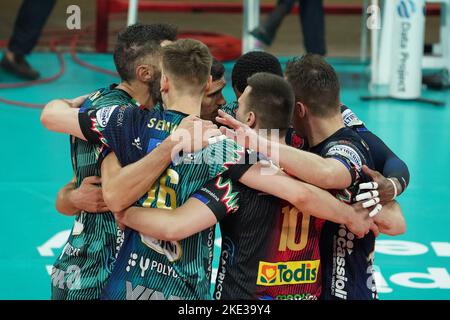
[(361, 223), (78, 101), (89, 197), (240, 132), (381, 188), (194, 134)]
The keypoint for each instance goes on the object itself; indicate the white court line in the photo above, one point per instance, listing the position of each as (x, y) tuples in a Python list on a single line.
[(40, 195)]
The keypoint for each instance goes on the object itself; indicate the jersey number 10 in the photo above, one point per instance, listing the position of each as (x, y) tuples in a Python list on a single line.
[(289, 228)]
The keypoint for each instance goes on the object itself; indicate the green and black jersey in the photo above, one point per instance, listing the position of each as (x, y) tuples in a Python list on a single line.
[(149, 268), (81, 270)]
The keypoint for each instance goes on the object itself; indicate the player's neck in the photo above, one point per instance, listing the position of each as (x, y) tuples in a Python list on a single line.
[(276, 135), (320, 129), (184, 103), (138, 91)]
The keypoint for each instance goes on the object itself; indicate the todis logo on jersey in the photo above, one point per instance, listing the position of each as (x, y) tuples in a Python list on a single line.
[(171, 249), (290, 272)]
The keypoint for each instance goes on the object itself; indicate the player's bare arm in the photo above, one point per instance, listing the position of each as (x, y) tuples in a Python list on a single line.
[(195, 216), (307, 198), (88, 197), (326, 173), (61, 115), (170, 225), (122, 186)]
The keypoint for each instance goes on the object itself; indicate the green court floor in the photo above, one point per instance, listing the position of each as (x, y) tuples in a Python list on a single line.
[(35, 163)]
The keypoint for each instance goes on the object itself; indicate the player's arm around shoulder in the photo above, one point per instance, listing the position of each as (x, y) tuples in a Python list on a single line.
[(170, 225), (61, 115), (307, 198), (216, 199), (122, 186)]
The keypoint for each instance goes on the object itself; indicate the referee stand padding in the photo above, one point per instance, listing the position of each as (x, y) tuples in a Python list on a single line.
[(215, 41)]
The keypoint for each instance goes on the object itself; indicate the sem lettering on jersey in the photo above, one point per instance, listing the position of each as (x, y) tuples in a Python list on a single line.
[(344, 244), (291, 272), (171, 249), (161, 125), (143, 293)]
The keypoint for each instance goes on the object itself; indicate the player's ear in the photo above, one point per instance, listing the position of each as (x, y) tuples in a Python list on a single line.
[(144, 73), (164, 83), (208, 84), (251, 119), (301, 108)]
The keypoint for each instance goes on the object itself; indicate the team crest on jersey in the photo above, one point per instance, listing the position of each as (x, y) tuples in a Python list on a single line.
[(171, 249)]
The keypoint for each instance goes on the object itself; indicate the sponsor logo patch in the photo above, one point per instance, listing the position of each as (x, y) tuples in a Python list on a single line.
[(350, 119), (103, 115), (346, 152), (291, 272)]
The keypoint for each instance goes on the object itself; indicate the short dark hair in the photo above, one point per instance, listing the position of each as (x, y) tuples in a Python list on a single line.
[(138, 41), (188, 61), (271, 99), (251, 63), (217, 70), (315, 84)]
